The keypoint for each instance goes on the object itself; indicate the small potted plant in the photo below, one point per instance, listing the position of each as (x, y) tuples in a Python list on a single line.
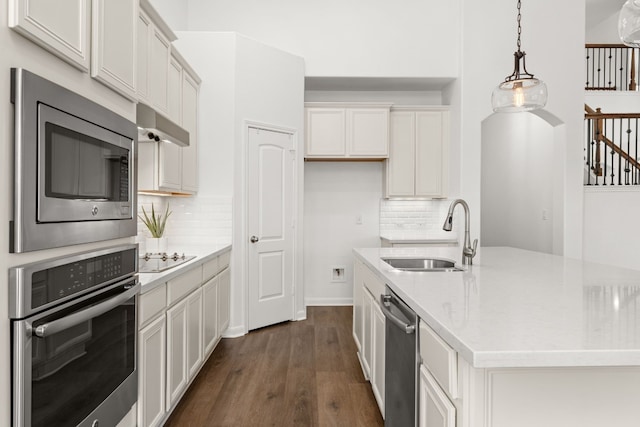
[(156, 244)]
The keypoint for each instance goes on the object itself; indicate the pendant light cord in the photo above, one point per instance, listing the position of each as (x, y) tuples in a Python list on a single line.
[(519, 25)]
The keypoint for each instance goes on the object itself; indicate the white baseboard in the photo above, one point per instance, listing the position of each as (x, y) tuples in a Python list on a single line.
[(329, 301), (234, 332)]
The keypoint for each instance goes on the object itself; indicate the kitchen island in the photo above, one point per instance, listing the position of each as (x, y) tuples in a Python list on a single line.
[(533, 339)]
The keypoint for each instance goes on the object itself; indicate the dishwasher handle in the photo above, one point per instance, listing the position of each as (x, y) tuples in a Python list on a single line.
[(385, 303)]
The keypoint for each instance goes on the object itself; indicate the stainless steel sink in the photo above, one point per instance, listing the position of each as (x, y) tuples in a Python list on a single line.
[(422, 264)]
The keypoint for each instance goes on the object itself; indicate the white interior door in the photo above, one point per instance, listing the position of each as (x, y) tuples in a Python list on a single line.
[(270, 226)]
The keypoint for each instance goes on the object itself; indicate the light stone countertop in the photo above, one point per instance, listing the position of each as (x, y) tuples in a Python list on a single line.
[(203, 254), (517, 308)]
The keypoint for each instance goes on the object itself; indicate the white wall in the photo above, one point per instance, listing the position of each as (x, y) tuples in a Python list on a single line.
[(606, 31), (336, 195), (487, 57), (611, 226), (358, 38), (243, 81), (415, 97), (174, 12), (613, 102), (522, 182)]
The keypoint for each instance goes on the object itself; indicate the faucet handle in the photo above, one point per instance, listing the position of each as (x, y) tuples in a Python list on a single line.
[(475, 245)]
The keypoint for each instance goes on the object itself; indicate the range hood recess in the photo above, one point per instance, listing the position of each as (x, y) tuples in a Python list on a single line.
[(157, 127)]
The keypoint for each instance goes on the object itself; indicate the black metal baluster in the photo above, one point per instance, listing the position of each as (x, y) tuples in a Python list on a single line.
[(627, 168), (589, 150), (610, 65), (586, 85), (598, 69), (637, 171)]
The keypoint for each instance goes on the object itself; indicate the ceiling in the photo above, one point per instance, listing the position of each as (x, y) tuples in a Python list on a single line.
[(596, 12)]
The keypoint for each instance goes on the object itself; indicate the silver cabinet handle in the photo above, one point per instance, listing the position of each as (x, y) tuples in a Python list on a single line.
[(254, 239), (385, 302), (74, 319)]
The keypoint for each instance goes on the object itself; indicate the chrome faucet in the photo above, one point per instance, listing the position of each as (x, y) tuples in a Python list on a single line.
[(468, 252)]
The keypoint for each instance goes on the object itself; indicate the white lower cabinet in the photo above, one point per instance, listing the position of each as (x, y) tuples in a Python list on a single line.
[(210, 314), (176, 351), (224, 290), (180, 324), (152, 368), (377, 364), (367, 351), (435, 409), (194, 333), (369, 329)]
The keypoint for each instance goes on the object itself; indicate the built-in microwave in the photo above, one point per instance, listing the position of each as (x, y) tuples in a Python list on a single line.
[(74, 178)]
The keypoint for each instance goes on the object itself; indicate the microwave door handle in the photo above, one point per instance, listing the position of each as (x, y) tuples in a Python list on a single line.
[(51, 328)]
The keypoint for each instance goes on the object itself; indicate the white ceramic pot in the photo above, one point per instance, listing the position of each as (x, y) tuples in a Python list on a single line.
[(156, 245)]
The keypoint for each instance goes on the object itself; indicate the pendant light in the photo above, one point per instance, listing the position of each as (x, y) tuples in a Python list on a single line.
[(520, 91), (629, 23)]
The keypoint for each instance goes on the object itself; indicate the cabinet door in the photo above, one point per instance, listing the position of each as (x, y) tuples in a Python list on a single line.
[(224, 303), (435, 408), (61, 27), (432, 153), (159, 53), (325, 132), (144, 29), (377, 366), (367, 321), (151, 373), (400, 166), (358, 289), (176, 351), (190, 122), (113, 45), (194, 332), (170, 166), (210, 314), (174, 90), (368, 132)]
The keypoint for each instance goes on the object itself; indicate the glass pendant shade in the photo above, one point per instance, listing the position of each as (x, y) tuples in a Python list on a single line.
[(629, 23), (519, 95)]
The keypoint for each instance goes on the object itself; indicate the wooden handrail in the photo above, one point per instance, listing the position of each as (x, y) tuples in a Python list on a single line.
[(598, 136), (601, 45)]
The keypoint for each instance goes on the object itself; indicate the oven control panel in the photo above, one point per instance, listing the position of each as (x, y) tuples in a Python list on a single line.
[(54, 283)]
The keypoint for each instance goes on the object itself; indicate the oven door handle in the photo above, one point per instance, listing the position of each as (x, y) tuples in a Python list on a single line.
[(47, 329)]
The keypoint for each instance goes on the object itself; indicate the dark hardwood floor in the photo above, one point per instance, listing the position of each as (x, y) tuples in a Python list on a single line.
[(292, 374)]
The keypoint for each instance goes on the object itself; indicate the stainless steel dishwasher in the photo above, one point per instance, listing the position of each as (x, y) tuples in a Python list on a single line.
[(401, 361)]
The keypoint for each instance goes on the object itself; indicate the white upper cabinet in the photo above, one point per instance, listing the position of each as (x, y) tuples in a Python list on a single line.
[(168, 84), (114, 45), (190, 89), (144, 25), (154, 58), (418, 164), (61, 27), (174, 89), (339, 131)]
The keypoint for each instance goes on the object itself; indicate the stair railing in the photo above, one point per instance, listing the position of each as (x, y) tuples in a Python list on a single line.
[(611, 151), (611, 67)]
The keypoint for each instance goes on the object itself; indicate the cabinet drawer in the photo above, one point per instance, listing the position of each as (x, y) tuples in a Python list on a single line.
[(373, 284), (223, 260), (151, 304), (183, 284), (210, 269), (440, 359)]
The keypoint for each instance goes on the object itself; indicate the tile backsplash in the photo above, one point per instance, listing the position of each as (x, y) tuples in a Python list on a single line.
[(417, 217), (194, 222)]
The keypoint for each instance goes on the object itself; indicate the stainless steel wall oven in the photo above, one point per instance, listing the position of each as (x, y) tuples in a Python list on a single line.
[(74, 168), (73, 333)]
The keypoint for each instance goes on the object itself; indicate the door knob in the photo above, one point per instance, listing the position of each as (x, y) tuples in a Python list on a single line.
[(254, 239)]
